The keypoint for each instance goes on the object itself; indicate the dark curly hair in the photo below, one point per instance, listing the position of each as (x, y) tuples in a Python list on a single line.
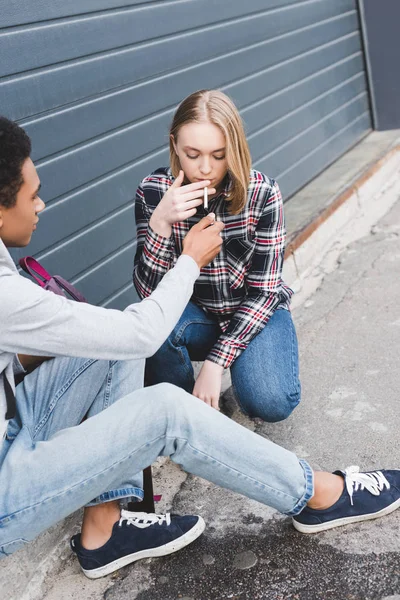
[(15, 148)]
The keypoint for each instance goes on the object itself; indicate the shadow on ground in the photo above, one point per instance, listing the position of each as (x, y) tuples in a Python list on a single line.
[(276, 564)]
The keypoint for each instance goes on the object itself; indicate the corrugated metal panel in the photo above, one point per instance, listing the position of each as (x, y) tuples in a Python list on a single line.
[(95, 83)]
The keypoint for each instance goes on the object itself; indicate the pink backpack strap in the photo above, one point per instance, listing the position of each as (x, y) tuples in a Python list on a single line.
[(35, 270), (56, 283), (69, 288)]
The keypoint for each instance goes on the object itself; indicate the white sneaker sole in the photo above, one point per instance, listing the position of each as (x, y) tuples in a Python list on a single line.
[(345, 521), (185, 539)]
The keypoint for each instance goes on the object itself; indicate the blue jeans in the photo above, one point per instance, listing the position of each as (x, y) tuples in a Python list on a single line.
[(265, 377), (51, 464)]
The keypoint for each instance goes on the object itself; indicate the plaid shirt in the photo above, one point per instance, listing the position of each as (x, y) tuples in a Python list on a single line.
[(242, 286)]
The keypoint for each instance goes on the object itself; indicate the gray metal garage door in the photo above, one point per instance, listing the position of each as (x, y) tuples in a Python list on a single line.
[(95, 83)]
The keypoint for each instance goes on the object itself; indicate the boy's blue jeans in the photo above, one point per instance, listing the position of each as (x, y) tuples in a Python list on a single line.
[(265, 377), (51, 464)]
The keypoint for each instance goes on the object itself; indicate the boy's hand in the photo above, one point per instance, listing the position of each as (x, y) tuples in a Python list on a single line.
[(178, 204), (203, 242)]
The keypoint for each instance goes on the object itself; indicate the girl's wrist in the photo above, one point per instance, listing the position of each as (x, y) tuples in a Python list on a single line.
[(214, 366), (159, 226)]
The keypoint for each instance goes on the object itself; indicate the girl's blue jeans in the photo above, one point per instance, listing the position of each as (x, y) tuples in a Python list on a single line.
[(265, 377), (52, 463)]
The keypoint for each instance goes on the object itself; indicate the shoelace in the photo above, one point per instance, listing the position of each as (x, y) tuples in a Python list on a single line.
[(374, 482), (143, 520)]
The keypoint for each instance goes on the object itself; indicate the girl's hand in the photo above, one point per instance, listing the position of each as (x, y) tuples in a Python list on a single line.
[(208, 384), (178, 204)]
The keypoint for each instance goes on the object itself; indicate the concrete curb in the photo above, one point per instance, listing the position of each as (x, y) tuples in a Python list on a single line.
[(350, 216), (301, 236)]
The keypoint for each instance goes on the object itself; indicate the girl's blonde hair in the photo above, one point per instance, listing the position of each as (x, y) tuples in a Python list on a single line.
[(215, 107)]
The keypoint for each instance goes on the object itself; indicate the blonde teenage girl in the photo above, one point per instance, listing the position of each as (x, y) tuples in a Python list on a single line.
[(239, 315)]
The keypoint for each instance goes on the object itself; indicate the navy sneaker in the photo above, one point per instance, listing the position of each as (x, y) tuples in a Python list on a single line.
[(365, 496), (136, 536)]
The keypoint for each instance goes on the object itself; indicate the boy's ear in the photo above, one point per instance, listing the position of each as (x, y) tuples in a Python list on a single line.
[(1, 219)]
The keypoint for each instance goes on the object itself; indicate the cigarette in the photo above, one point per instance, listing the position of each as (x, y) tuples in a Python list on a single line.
[(205, 197)]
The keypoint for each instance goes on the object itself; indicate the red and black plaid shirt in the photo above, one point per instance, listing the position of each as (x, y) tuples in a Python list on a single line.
[(242, 286)]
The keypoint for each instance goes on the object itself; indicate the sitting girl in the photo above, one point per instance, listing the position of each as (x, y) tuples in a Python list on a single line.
[(239, 313)]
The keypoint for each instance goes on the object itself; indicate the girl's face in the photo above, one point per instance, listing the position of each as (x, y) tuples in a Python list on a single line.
[(201, 149)]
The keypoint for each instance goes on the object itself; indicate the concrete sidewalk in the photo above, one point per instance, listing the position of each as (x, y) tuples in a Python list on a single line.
[(349, 334)]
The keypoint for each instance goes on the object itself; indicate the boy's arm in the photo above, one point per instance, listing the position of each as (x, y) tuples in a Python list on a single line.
[(36, 322), (39, 323)]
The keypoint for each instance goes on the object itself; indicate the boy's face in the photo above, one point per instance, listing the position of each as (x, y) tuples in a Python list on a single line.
[(18, 223)]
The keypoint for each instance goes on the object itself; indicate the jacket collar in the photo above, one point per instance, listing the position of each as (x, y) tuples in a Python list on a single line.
[(6, 262)]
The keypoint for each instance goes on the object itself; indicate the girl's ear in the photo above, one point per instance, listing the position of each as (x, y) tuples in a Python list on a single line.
[(173, 143), (1, 219)]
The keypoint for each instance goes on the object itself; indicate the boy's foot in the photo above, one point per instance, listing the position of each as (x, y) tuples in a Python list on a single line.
[(136, 536), (365, 496)]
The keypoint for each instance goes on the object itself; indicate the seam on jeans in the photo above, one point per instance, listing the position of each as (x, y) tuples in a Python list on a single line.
[(294, 391), (176, 340), (295, 375), (184, 362), (60, 393), (177, 337), (108, 386), (242, 475)]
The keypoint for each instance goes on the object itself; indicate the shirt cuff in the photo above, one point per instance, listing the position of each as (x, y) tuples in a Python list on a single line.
[(225, 353), (158, 246)]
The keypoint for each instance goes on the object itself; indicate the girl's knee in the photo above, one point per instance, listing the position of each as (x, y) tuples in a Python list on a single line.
[(277, 407), (278, 412)]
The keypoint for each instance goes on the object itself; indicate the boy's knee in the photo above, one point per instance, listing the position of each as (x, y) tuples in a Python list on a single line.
[(167, 394)]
